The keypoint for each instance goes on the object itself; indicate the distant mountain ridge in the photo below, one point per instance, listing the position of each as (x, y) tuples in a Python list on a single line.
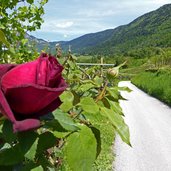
[(152, 29)]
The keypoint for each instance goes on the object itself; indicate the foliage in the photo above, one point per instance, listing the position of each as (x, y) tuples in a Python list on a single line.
[(16, 19), (70, 138), (159, 86)]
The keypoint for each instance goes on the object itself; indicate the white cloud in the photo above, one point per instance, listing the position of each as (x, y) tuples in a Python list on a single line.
[(52, 25), (78, 17), (66, 24)]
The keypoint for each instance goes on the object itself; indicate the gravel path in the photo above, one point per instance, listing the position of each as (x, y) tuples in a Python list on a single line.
[(149, 121)]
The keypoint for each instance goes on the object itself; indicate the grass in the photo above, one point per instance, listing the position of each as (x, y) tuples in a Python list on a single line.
[(157, 84), (106, 157)]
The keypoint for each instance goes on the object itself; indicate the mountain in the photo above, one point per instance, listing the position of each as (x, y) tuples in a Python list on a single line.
[(79, 44), (152, 30)]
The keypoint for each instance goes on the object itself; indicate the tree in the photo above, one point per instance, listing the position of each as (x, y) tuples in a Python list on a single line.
[(17, 17)]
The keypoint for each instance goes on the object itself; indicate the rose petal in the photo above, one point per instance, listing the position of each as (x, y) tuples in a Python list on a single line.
[(48, 71), (26, 125), (21, 74), (30, 99), (54, 72), (50, 108), (42, 69), (5, 108), (5, 68)]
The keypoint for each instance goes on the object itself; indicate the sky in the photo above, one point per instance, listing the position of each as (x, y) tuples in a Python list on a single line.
[(69, 19)]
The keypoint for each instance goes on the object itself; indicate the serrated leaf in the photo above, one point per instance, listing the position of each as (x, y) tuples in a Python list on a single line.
[(11, 156), (81, 149), (118, 122), (46, 141), (65, 120), (88, 105), (28, 143), (67, 98)]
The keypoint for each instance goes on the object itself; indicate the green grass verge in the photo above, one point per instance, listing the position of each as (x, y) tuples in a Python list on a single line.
[(157, 84), (106, 157)]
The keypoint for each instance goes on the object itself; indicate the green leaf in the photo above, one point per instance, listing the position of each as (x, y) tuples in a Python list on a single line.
[(46, 141), (118, 122), (44, 161), (81, 149), (85, 87), (28, 143), (6, 168), (124, 89), (67, 98), (65, 120), (3, 39), (71, 64), (54, 125), (24, 41), (60, 134), (43, 2), (7, 131), (98, 80), (76, 98), (11, 156), (39, 168), (30, 1), (96, 133), (115, 107), (28, 166), (113, 92), (89, 105)]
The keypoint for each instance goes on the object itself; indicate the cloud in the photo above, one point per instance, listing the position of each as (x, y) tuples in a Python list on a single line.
[(70, 19), (66, 24), (52, 25)]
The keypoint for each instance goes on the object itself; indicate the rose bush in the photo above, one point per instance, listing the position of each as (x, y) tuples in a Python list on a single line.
[(30, 90)]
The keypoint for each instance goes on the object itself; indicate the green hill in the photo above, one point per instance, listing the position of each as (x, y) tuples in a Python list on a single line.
[(148, 31), (142, 37)]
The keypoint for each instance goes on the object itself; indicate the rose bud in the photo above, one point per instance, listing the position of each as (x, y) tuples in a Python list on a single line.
[(113, 71), (30, 90)]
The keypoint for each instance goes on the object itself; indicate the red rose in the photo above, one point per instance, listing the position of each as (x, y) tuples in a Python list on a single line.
[(30, 90)]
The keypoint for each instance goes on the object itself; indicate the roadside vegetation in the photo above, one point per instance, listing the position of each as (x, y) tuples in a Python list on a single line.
[(157, 84)]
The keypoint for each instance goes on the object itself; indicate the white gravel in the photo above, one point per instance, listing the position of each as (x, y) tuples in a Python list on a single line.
[(149, 121)]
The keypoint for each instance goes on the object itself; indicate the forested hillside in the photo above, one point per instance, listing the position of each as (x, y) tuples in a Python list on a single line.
[(150, 30), (140, 38)]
